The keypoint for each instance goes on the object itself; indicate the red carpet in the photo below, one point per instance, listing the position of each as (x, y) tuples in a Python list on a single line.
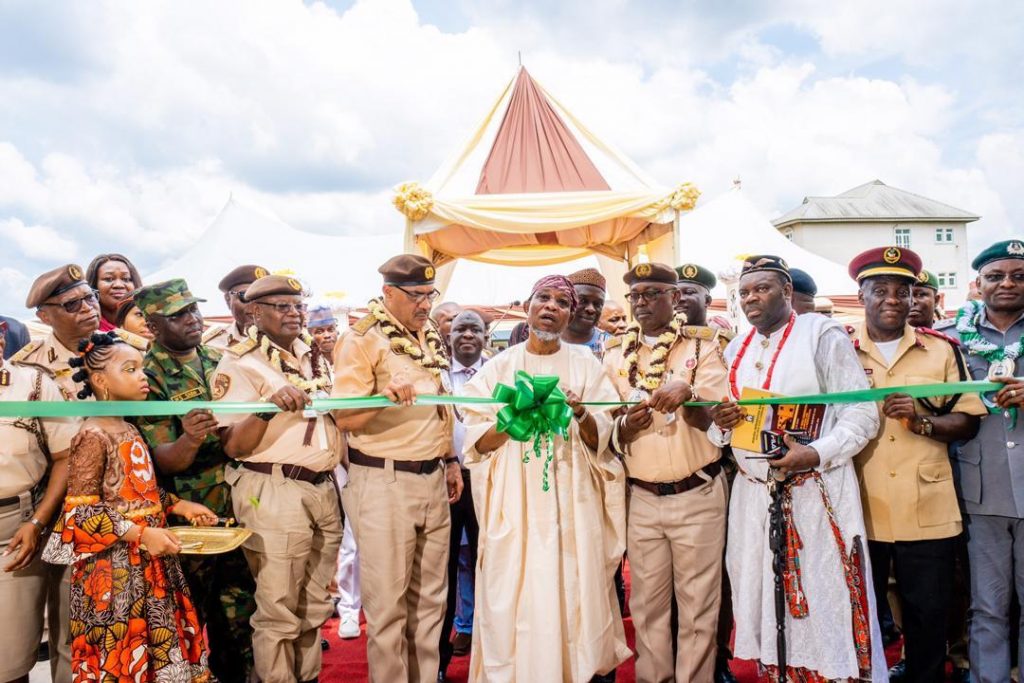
[(346, 659)]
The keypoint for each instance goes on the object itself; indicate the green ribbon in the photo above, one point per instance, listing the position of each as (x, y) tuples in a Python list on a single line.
[(535, 409), (503, 394), (869, 395)]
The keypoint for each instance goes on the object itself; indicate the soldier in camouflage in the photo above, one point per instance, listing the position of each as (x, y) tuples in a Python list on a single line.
[(190, 457)]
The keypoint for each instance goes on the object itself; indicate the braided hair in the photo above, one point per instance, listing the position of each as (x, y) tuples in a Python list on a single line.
[(93, 354)]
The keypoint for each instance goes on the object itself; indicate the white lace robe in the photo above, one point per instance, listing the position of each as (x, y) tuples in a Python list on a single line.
[(545, 600), (818, 357)]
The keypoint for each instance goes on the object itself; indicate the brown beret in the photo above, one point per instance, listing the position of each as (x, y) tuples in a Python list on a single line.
[(242, 275), (588, 276), (54, 282), (407, 269), (273, 284), (650, 272)]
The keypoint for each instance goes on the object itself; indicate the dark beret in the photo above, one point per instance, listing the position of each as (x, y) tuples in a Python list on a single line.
[(53, 283), (691, 272), (242, 275), (803, 282), (650, 272), (407, 269)]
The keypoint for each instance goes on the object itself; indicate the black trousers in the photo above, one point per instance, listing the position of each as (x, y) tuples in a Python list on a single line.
[(463, 518), (924, 584)]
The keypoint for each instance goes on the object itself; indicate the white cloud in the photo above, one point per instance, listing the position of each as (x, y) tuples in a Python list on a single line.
[(38, 241), (134, 126)]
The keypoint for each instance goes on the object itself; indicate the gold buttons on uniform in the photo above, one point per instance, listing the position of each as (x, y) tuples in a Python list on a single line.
[(889, 373), (892, 437), (892, 473)]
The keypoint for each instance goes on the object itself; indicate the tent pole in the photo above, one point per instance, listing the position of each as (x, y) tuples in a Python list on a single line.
[(409, 244)]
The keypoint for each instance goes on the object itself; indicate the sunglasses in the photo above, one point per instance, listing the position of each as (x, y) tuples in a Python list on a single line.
[(645, 296), (75, 305), (419, 297), (284, 309)]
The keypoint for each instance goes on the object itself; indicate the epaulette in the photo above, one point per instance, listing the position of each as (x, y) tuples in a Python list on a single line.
[(26, 351), (243, 347), (213, 333), (363, 325), (939, 325), (727, 335), (935, 333), (699, 332), (612, 342), (132, 339)]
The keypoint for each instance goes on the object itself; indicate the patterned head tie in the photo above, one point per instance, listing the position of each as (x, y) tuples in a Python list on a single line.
[(559, 282)]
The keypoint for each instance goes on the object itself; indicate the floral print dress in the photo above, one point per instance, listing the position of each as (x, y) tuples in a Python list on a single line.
[(132, 618)]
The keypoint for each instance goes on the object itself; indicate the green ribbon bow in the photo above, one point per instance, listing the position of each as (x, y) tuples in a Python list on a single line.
[(535, 409)]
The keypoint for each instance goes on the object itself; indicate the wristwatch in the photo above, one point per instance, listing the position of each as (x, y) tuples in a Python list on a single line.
[(926, 427)]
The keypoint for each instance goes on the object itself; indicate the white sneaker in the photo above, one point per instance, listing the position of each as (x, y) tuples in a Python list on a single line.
[(349, 626)]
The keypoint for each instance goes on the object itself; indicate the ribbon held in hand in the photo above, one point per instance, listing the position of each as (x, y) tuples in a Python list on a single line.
[(535, 409)]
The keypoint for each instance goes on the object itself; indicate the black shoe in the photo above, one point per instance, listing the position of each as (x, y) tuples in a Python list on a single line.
[(441, 677), (891, 634), (43, 654), (961, 675), (898, 672), (723, 674), (324, 645)]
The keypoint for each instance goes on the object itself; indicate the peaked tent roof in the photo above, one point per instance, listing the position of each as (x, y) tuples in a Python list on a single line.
[(533, 185), (243, 234), (873, 201), (720, 232)]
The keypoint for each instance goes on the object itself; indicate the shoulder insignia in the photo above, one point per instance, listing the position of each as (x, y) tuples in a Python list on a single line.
[(26, 351), (612, 342), (5, 378), (132, 339), (64, 392), (943, 324), (699, 332), (364, 325), (212, 333), (726, 335), (51, 355), (221, 384), (243, 347), (935, 333)]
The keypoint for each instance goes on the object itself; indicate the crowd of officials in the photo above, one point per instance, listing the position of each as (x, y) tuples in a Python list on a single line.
[(903, 517)]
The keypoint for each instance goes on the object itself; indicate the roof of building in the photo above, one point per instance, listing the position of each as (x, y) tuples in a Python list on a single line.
[(873, 201)]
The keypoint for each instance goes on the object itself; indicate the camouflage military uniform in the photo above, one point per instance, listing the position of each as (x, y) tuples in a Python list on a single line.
[(222, 585)]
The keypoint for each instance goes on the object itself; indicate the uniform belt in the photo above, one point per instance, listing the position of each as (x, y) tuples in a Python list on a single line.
[(291, 471), (670, 488), (414, 466), (8, 502)]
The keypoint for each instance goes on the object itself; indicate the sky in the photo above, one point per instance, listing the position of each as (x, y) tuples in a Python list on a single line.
[(126, 126)]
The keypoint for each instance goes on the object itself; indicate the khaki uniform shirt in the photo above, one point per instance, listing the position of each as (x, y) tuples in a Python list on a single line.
[(22, 461), (365, 365), (245, 373), (670, 452), (52, 356), (906, 480), (222, 337)]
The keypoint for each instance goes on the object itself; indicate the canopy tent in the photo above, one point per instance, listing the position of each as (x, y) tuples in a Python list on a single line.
[(533, 186), (721, 232), (338, 268)]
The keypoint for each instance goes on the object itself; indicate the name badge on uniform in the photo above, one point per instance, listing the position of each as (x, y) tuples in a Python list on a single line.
[(309, 413), (1001, 369)]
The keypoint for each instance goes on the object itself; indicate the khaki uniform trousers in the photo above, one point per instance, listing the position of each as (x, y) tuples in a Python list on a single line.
[(675, 545), (296, 529), (401, 523), (23, 596), (58, 619)]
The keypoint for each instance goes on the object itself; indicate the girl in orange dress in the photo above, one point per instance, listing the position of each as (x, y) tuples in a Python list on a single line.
[(132, 619)]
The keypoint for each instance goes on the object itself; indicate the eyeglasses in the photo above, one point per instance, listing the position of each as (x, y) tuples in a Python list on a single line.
[(419, 297), (997, 278), (284, 309), (648, 295), (75, 305)]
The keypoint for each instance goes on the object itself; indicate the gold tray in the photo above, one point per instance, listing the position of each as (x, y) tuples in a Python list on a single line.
[(209, 540)]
